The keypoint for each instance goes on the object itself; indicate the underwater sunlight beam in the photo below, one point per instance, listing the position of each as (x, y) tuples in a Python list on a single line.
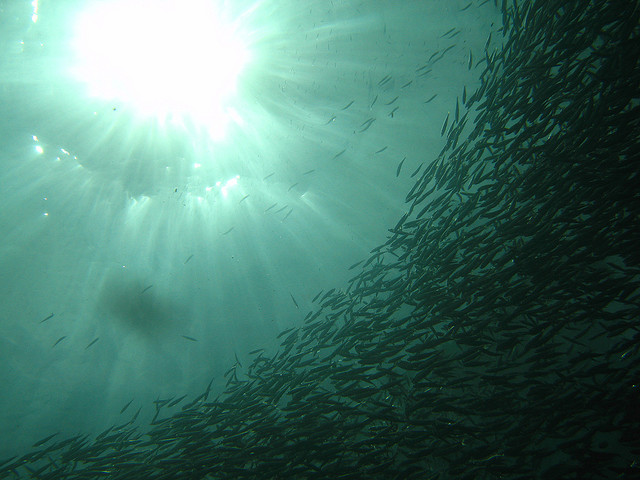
[(171, 59)]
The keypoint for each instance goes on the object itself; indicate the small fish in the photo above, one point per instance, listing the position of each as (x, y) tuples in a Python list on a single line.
[(94, 341), (159, 403), (237, 361), (59, 340), (326, 295), (126, 406), (146, 288), (486, 45), (400, 166), (431, 98), (282, 209), (310, 171), (294, 300), (270, 175), (449, 48), (206, 392), (383, 149), (133, 419), (187, 260), (190, 338), (348, 105), (350, 268), (389, 103), (283, 333), (177, 401), (45, 319), (339, 153), (444, 125), (270, 207), (291, 338), (228, 231), (243, 199), (44, 440), (287, 215), (292, 186), (330, 120), (384, 80), (448, 32), (366, 124)]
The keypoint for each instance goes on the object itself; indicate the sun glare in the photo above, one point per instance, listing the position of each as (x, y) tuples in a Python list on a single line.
[(169, 59)]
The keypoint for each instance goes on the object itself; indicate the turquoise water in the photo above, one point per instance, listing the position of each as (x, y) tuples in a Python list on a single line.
[(411, 252)]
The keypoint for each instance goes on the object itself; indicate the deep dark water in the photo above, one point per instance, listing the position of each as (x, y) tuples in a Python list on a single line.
[(494, 335)]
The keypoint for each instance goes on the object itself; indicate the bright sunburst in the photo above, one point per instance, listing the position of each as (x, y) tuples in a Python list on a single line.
[(169, 59)]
